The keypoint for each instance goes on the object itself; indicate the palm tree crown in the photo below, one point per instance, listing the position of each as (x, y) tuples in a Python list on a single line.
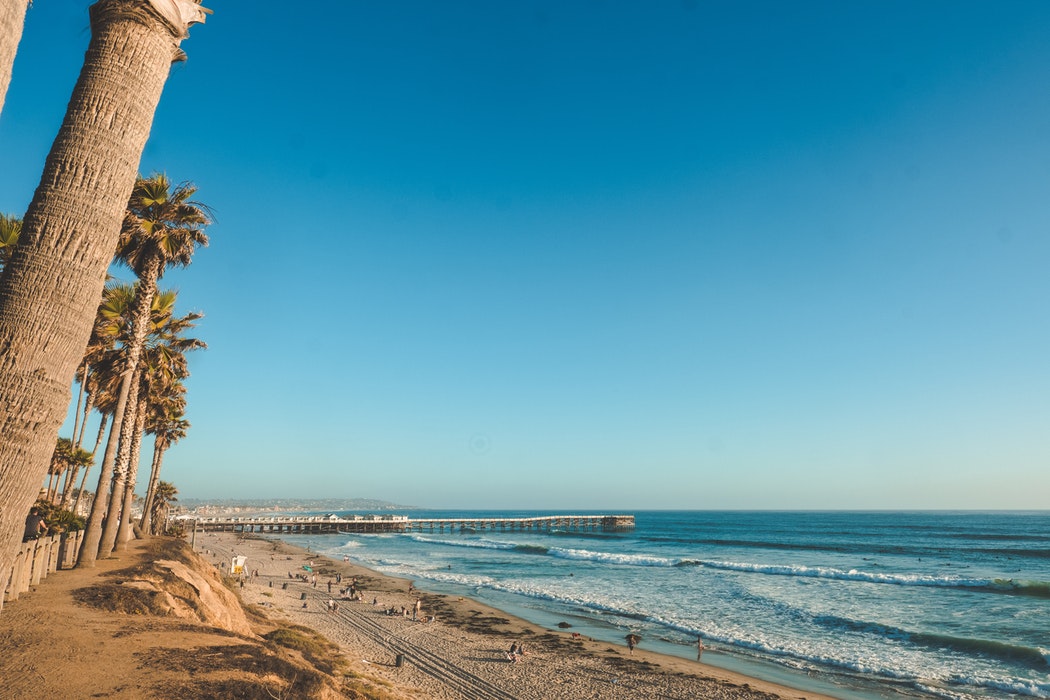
[(162, 228)]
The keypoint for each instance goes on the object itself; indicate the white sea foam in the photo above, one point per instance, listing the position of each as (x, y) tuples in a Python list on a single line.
[(624, 559), (850, 575), (609, 558), (469, 544), (1018, 687)]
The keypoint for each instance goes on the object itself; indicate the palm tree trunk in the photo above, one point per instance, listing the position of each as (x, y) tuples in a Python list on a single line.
[(12, 19), (125, 532), (101, 432), (50, 288), (140, 324), (93, 531), (50, 480), (80, 400), (67, 489), (146, 523), (123, 425), (98, 441), (88, 405), (53, 496)]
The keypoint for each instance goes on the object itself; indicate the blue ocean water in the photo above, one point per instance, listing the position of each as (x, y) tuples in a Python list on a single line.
[(854, 604)]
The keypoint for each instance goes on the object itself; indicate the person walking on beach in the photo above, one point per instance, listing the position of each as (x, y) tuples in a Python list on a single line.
[(632, 642), (699, 648)]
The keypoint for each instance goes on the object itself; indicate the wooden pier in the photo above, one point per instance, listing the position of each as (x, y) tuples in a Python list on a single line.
[(331, 524)]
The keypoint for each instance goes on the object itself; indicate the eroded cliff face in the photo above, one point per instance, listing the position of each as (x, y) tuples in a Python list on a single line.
[(176, 583), (210, 602)]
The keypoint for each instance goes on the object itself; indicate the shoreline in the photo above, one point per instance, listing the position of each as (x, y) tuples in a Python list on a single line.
[(468, 641)]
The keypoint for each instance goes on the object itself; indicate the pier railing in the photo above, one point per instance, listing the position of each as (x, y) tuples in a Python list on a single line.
[(399, 523)]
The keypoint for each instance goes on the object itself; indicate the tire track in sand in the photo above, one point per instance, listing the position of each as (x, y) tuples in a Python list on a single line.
[(437, 667)]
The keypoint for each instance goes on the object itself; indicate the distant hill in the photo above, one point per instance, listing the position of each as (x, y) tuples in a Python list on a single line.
[(286, 505)]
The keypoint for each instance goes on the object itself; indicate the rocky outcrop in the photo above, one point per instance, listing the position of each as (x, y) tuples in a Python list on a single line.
[(174, 582), (214, 604)]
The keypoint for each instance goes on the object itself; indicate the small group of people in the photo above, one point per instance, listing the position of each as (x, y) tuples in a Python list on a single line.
[(516, 653)]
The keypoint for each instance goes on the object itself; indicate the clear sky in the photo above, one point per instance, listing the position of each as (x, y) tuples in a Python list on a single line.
[(603, 255)]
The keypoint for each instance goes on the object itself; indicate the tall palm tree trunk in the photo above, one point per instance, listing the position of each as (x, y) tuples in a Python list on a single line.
[(88, 405), (79, 441), (87, 471), (80, 400), (12, 19), (126, 532), (146, 523), (67, 489), (125, 416), (89, 548), (50, 289), (50, 481), (101, 434)]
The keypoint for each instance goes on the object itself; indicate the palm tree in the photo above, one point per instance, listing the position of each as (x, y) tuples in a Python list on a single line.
[(104, 364), (114, 327), (10, 228), (49, 290), (60, 462), (162, 228), (163, 368), (78, 459), (92, 374), (12, 18), (164, 495), (168, 425)]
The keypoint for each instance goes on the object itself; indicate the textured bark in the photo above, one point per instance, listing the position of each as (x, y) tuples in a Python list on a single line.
[(50, 290), (146, 522), (12, 19), (140, 309), (67, 488), (126, 532), (87, 471), (114, 470)]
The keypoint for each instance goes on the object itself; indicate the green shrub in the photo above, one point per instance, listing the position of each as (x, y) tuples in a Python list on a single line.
[(59, 520)]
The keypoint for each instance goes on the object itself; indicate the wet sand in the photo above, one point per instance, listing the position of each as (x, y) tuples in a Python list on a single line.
[(458, 647)]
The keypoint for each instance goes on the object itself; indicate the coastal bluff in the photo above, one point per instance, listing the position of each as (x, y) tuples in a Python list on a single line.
[(159, 623)]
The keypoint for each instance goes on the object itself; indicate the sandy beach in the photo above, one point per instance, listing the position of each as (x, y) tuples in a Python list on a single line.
[(457, 648)]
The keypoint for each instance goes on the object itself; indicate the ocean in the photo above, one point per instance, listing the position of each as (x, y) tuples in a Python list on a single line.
[(858, 605)]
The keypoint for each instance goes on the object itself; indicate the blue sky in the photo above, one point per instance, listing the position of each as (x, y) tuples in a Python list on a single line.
[(603, 255)]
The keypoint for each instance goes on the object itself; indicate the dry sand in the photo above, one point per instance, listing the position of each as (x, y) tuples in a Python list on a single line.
[(462, 654)]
